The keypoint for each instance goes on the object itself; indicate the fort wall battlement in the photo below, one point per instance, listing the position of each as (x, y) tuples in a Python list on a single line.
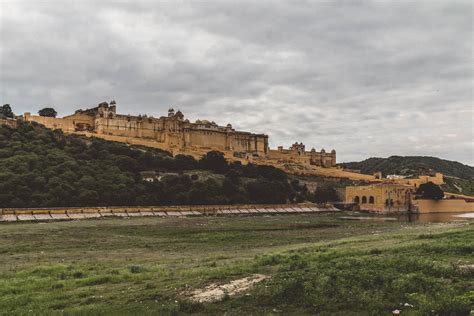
[(178, 135)]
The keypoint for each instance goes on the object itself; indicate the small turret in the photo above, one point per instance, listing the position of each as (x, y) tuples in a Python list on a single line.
[(171, 112), (179, 115)]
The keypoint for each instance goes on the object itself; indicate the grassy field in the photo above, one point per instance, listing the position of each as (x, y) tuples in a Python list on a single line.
[(317, 263)]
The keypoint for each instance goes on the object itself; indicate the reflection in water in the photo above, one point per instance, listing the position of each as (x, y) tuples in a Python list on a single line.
[(436, 217), (465, 215)]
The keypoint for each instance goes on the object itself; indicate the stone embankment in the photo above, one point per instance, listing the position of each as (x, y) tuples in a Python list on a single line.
[(69, 213)]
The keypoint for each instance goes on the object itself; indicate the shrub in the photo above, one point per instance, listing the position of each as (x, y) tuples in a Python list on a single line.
[(135, 269)]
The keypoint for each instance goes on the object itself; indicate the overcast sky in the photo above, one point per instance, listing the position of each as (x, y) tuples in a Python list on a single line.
[(363, 77)]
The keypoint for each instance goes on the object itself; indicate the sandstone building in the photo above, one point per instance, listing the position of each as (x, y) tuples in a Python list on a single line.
[(180, 136), (397, 195), (381, 196)]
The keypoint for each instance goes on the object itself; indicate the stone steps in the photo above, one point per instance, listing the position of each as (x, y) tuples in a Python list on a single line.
[(43, 215)]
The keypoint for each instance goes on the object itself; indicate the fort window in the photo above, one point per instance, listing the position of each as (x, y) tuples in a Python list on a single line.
[(364, 200), (356, 200), (371, 200)]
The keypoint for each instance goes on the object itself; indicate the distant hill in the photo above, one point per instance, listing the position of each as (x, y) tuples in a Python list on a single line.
[(412, 165)]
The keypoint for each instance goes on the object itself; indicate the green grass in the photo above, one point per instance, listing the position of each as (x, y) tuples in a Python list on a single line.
[(318, 264)]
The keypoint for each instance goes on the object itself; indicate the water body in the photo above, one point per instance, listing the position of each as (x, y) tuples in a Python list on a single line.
[(415, 218), (437, 217)]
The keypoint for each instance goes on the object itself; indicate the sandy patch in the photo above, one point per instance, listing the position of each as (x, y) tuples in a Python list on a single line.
[(216, 292)]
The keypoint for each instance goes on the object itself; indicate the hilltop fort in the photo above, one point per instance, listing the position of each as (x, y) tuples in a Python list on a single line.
[(178, 135)]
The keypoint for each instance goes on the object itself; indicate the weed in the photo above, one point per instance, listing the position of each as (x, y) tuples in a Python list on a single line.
[(135, 269)]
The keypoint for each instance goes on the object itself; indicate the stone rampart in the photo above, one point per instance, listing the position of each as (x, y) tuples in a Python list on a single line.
[(8, 122)]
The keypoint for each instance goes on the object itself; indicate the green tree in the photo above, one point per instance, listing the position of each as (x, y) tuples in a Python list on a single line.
[(6, 111), (40, 167), (214, 161), (430, 191), (325, 194), (49, 112)]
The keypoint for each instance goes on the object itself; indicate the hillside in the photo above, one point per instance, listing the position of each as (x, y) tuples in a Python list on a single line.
[(412, 165), (40, 167)]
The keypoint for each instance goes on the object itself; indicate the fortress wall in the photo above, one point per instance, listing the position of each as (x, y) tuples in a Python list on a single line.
[(443, 206), (66, 125), (8, 122), (80, 118), (262, 144), (150, 126), (240, 145), (129, 140), (437, 179), (147, 133), (288, 155), (120, 132), (120, 124), (276, 154), (214, 139)]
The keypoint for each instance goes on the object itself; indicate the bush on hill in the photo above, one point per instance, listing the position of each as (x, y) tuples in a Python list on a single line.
[(6, 111)]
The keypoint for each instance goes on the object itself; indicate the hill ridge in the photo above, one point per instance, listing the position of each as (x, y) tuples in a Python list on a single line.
[(412, 165)]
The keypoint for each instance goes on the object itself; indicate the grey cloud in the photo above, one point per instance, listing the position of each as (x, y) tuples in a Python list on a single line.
[(366, 78)]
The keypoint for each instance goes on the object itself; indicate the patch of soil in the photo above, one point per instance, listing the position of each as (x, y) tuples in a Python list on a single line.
[(216, 292)]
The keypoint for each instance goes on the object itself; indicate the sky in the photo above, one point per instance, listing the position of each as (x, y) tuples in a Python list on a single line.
[(367, 78)]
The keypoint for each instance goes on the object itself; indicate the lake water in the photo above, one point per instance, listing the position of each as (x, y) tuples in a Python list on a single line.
[(437, 217), (420, 218)]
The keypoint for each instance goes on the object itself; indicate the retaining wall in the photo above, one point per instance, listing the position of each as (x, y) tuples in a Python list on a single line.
[(36, 214)]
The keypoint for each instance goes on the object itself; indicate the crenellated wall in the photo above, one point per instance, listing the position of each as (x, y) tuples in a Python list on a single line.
[(297, 154), (179, 135), (171, 132)]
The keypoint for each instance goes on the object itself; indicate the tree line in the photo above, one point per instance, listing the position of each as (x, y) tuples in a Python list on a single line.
[(40, 167)]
